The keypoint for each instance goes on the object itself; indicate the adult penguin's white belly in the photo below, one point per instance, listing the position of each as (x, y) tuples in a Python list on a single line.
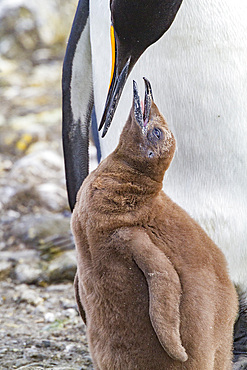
[(198, 70)]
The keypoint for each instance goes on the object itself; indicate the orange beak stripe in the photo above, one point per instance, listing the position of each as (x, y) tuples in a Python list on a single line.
[(113, 53)]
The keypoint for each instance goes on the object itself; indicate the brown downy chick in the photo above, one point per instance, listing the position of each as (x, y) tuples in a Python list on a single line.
[(151, 286)]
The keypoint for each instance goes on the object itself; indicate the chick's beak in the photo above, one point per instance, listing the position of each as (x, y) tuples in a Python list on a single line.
[(142, 118)]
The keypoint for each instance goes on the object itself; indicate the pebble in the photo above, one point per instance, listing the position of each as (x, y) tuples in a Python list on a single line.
[(71, 313), (38, 167), (62, 266), (40, 308), (34, 353), (31, 228), (5, 269), (52, 196), (25, 273), (49, 317), (30, 296)]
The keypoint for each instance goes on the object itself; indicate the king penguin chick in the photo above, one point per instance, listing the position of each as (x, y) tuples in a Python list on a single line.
[(151, 286)]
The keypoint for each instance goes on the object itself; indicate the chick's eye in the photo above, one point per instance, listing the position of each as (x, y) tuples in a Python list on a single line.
[(157, 132)]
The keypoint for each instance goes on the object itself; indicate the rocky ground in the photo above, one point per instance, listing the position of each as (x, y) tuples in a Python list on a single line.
[(41, 328), (39, 323)]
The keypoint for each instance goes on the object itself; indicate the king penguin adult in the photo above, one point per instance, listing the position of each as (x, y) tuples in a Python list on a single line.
[(199, 68)]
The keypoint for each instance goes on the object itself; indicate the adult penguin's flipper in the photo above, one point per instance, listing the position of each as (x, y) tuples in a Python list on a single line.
[(95, 134), (77, 101), (164, 291)]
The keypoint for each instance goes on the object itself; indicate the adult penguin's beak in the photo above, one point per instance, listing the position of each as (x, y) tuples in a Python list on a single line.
[(122, 64)]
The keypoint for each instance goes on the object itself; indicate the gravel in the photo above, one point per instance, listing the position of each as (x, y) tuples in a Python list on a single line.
[(40, 327)]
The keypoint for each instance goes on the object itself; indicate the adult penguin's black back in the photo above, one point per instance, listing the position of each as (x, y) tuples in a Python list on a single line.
[(77, 101)]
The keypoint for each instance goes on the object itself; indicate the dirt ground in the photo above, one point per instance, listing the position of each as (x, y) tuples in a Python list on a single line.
[(40, 328)]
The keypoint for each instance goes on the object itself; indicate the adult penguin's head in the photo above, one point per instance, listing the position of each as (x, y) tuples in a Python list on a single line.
[(135, 26)]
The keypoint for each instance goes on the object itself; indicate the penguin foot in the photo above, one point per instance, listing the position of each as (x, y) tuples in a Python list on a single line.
[(240, 341), (241, 364)]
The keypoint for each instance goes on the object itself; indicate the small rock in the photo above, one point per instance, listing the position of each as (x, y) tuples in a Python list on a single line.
[(62, 267), (27, 274), (54, 245), (40, 308), (66, 303), (29, 308), (71, 313), (6, 164), (20, 363), (34, 353), (38, 166), (31, 228), (12, 215), (29, 295), (5, 269), (46, 343), (49, 317), (38, 146), (60, 288), (53, 196), (70, 347), (27, 255)]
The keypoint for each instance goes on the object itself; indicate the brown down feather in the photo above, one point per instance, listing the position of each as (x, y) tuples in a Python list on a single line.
[(151, 285)]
